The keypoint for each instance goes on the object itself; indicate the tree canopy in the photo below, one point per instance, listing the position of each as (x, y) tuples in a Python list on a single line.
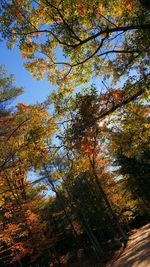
[(87, 144), (102, 38)]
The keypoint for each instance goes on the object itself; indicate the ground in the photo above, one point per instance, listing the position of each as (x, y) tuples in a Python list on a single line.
[(137, 251)]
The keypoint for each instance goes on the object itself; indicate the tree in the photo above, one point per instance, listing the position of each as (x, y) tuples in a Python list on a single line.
[(24, 142), (98, 38), (22, 231), (8, 90), (24, 139), (74, 41), (130, 147)]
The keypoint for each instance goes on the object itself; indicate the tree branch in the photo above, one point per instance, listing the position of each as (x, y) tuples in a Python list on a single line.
[(125, 101)]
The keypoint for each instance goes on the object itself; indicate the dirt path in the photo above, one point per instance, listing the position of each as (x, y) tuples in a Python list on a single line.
[(137, 252)]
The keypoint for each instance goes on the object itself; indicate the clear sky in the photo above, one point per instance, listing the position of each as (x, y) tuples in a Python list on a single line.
[(34, 90)]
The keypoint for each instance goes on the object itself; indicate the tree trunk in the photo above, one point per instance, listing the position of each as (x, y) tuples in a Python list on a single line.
[(20, 264), (91, 236), (64, 209), (122, 233)]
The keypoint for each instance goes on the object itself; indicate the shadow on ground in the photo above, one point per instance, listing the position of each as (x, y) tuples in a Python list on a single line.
[(137, 252)]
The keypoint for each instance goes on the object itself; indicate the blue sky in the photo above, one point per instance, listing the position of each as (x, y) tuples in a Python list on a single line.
[(34, 90)]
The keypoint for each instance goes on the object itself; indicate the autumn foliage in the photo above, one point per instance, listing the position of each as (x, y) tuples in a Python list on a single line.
[(74, 170)]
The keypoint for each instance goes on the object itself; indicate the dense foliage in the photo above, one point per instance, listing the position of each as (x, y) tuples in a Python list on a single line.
[(87, 145)]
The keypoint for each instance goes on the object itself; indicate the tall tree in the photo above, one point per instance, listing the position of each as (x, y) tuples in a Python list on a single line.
[(8, 90), (130, 147)]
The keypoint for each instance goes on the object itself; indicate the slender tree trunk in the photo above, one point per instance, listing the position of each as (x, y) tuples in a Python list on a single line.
[(97, 249), (86, 227), (109, 206), (99, 198), (20, 264), (64, 209)]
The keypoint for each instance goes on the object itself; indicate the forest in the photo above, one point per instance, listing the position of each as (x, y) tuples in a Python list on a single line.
[(88, 143)]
